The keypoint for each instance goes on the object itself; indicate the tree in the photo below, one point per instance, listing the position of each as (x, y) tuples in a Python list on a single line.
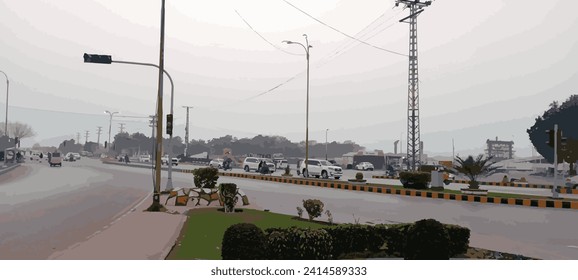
[(473, 168), (20, 130), (564, 116)]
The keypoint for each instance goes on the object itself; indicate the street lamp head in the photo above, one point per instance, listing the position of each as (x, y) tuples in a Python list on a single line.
[(287, 42)]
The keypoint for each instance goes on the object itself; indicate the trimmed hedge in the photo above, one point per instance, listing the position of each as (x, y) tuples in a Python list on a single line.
[(298, 244), (244, 241), (415, 180), (459, 239), (353, 238), (427, 240)]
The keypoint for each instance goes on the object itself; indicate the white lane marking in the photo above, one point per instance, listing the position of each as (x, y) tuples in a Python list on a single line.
[(572, 246)]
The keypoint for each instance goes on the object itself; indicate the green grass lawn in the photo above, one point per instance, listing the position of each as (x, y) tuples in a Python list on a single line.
[(202, 234)]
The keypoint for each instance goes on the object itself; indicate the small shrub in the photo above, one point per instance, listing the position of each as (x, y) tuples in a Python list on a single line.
[(427, 240), (314, 208), (329, 217), (359, 176), (298, 244), (415, 180), (206, 177), (244, 241), (300, 212), (228, 192), (505, 179)]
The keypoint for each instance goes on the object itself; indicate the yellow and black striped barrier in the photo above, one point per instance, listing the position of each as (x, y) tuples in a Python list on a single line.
[(501, 184), (540, 203)]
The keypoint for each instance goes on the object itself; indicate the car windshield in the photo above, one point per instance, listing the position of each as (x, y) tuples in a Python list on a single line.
[(324, 162)]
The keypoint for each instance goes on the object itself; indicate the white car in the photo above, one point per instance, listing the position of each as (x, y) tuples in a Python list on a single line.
[(165, 160), (144, 158), (76, 156), (281, 163), (319, 168), (364, 166), (252, 164), (216, 163)]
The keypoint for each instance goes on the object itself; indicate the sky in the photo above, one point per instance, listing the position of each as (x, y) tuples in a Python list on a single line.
[(487, 68)]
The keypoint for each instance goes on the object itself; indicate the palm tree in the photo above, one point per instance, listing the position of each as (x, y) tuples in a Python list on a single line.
[(473, 168)]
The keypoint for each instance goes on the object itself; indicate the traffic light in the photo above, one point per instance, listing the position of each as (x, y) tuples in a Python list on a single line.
[(561, 140), (170, 124), (97, 58), (550, 141)]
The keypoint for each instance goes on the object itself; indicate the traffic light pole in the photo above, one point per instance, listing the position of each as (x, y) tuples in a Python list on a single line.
[(169, 162)]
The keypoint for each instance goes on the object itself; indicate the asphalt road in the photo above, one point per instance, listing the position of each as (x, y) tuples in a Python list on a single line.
[(44, 209)]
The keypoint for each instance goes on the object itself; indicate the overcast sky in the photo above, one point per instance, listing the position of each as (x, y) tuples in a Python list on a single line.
[(480, 62)]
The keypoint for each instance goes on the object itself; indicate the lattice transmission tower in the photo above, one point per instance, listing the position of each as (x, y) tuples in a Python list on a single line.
[(413, 133)]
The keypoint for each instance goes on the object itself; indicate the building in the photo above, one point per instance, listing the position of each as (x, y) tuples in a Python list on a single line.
[(500, 150)]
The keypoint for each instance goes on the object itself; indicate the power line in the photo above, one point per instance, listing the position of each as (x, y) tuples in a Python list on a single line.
[(264, 39), (344, 34), (329, 57)]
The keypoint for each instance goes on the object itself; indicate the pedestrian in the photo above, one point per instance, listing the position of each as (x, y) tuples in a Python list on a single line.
[(126, 158), (260, 166)]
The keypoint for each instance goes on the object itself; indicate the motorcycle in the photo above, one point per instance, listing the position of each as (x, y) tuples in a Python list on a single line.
[(227, 165)]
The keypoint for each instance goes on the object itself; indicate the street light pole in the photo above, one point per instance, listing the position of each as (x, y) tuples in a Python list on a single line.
[(326, 143), (7, 87), (307, 107), (109, 126)]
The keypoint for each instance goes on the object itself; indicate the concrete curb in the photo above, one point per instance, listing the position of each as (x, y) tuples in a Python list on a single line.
[(8, 169)]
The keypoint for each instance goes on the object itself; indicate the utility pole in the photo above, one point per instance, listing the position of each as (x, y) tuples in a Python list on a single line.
[(187, 132), (121, 127), (98, 139), (413, 133), (78, 138), (86, 137)]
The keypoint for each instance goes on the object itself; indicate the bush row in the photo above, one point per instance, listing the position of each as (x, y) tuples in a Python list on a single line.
[(425, 239)]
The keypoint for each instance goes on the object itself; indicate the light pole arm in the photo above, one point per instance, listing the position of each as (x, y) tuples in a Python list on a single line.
[(156, 66)]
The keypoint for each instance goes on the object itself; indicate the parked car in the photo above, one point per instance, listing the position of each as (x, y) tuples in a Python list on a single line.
[(144, 158), (252, 164), (165, 160), (281, 163), (54, 159), (76, 156), (364, 166), (216, 163), (319, 168)]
